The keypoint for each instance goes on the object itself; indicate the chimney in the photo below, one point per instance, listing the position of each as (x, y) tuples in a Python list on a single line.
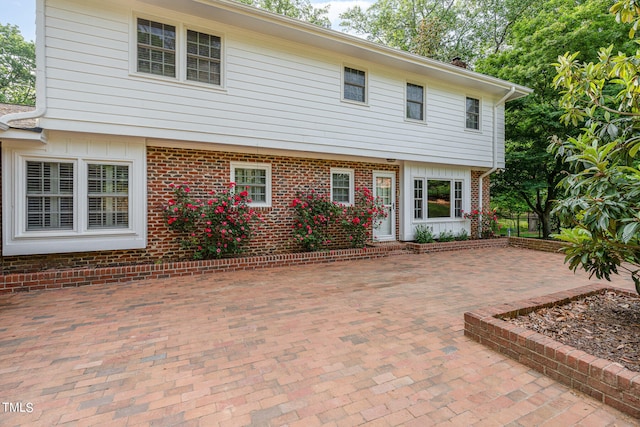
[(459, 62)]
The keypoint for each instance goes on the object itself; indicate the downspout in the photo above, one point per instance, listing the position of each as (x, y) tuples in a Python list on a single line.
[(495, 154), (41, 93)]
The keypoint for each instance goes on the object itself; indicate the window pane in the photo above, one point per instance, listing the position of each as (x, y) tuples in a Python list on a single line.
[(473, 113), (438, 199), (108, 187), (49, 195), (418, 199), (156, 47), (254, 181), (341, 187), (415, 102), (458, 199), (203, 57), (354, 84)]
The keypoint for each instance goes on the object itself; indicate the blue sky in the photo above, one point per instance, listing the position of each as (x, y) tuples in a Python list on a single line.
[(22, 13)]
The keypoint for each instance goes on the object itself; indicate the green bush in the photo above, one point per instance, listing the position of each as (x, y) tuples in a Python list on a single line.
[(446, 236), (462, 235), (424, 234)]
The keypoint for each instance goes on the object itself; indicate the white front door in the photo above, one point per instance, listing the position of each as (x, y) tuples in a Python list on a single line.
[(384, 187)]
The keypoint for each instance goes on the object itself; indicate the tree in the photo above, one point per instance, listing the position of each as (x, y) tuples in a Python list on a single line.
[(532, 173), (17, 67), (602, 204), (439, 29), (298, 9)]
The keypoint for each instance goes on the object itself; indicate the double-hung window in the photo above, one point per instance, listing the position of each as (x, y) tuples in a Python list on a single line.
[(255, 178), (50, 193), (415, 102), (176, 52), (355, 85), (472, 113), (342, 186), (108, 192)]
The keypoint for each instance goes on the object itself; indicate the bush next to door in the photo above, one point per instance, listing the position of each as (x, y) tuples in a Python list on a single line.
[(314, 215)]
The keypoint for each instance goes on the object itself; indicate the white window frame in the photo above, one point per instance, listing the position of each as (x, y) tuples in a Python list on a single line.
[(423, 199), (366, 84), (17, 240), (479, 99), (424, 102), (180, 52), (260, 166), (452, 194), (351, 174)]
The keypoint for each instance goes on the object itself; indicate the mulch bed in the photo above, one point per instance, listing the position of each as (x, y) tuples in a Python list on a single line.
[(604, 325)]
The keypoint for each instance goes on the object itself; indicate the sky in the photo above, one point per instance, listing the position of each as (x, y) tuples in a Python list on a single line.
[(22, 13)]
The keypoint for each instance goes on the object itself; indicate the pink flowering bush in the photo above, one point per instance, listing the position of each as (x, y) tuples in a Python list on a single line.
[(219, 226), (488, 220), (314, 214), (366, 214)]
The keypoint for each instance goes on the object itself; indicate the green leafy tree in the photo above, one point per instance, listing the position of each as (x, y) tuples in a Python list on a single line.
[(17, 67), (439, 29), (298, 9), (602, 204), (532, 173)]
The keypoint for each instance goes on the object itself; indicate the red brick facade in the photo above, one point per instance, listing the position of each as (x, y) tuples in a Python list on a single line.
[(206, 171)]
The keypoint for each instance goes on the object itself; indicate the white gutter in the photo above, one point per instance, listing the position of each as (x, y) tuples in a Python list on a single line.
[(41, 93), (495, 152)]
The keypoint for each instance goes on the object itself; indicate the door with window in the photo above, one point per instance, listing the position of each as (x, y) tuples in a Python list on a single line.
[(384, 185)]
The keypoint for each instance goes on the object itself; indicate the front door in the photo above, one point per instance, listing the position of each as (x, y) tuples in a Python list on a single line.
[(384, 185)]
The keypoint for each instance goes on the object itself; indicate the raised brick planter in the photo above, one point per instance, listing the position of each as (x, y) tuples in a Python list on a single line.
[(424, 248), (606, 381), (55, 279), (536, 244)]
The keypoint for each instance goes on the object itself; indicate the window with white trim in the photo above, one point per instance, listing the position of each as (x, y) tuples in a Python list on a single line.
[(418, 198), (415, 102), (472, 113), (342, 186), (50, 193), (255, 178), (437, 198), (355, 85), (177, 52), (60, 200), (108, 190)]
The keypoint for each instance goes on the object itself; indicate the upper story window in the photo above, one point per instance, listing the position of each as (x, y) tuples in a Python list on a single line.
[(355, 85), (173, 51), (415, 102), (156, 48), (473, 113), (203, 57), (255, 178), (342, 186)]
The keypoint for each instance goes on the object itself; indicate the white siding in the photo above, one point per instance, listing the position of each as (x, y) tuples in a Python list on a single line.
[(276, 94)]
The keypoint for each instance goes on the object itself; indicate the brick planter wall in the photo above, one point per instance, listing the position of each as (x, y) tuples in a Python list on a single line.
[(425, 248), (601, 379), (56, 279), (536, 244)]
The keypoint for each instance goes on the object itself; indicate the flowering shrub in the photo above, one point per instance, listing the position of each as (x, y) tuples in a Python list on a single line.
[(314, 213), (219, 226), (488, 220), (358, 220)]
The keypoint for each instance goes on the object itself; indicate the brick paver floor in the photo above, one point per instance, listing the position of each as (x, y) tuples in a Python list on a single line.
[(350, 343)]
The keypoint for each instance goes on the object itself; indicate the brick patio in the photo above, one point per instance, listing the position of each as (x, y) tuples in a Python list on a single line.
[(375, 342)]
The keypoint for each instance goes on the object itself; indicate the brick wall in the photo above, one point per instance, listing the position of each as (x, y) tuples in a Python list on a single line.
[(206, 171), (536, 244), (475, 197)]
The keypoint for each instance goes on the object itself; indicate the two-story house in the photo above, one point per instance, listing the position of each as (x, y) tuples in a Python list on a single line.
[(135, 95)]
